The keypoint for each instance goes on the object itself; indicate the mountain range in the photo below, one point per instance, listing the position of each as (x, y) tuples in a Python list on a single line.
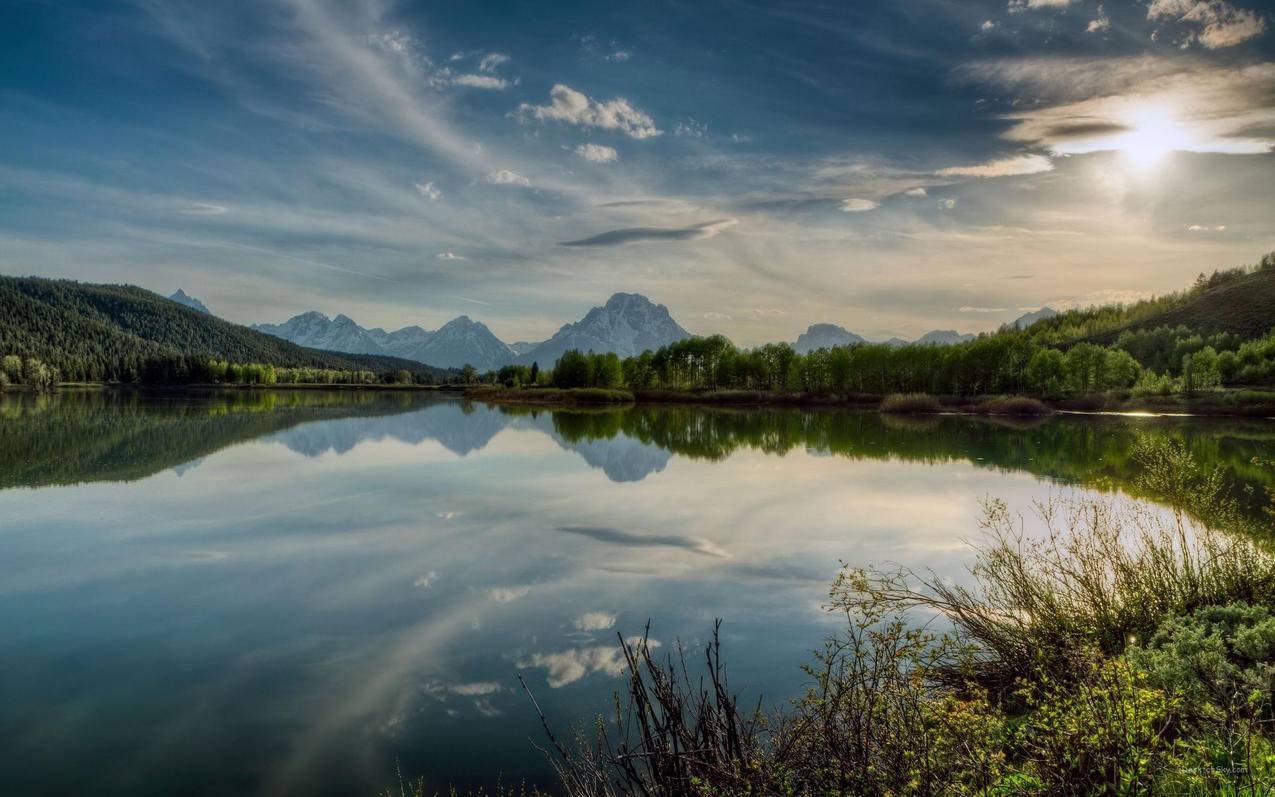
[(826, 336), (627, 324)]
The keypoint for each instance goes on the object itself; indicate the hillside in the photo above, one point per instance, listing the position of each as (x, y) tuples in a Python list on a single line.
[(1238, 302), (96, 331)]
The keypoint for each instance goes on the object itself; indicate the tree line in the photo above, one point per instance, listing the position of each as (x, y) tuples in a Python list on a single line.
[(1160, 361)]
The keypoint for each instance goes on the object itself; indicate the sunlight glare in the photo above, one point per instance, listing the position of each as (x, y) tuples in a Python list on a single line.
[(1154, 134)]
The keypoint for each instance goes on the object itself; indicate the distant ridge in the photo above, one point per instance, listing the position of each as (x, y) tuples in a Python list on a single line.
[(97, 331), (628, 324), (181, 297)]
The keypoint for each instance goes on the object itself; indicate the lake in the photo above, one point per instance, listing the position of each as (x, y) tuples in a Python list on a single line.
[(295, 592)]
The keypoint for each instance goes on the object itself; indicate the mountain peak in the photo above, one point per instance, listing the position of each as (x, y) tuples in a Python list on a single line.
[(181, 297), (824, 336)]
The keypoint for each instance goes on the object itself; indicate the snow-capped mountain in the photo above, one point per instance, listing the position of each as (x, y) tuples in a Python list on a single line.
[(317, 331), (457, 343), (824, 336), (463, 341), (181, 297), (628, 324)]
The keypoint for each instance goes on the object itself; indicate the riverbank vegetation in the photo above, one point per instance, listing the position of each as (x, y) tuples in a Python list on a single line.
[(1121, 649), (1120, 354)]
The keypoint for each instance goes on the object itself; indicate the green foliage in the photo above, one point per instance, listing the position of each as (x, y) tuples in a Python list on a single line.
[(911, 404), (1219, 659), (115, 332), (1103, 731)]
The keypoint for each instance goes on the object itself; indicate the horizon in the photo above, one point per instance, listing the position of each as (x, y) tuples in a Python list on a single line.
[(756, 170)]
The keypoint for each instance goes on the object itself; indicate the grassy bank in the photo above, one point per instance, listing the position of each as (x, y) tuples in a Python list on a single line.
[(1123, 651)]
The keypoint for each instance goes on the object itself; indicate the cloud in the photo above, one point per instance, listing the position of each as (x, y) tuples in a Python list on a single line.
[(969, 309), (203, 209), (1097, 105), (629, 539), (691, 129), (508, 594), (475, 688), (449, 255), (758, 313), (574, 107), (569, 666), (1017, 6), (855, 205), (506, 177), (947, 204), (491, 61), (715, 316), (619, 56), (1006, 167), (597, 153), (428, 190), (987, 25), (480, 82), (425, 581), (594, 621), (1222, 24), (1206, 228), (916, 192), (628, 235), (1100, 23)]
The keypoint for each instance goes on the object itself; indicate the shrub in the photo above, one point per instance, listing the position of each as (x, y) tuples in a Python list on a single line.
[(1012, 405), (1106, 731), (1219, 659), (911, 404)]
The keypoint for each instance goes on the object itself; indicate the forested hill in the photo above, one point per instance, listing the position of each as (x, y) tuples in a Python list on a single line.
[(110, 331), (1237, 302)]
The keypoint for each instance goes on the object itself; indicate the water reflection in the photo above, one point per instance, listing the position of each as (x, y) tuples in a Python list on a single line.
[(286, 593)]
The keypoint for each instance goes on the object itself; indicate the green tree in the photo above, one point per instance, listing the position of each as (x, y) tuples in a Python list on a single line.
[(571, 370)]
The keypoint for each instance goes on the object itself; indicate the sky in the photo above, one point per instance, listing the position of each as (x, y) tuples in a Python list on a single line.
[(756, 167)]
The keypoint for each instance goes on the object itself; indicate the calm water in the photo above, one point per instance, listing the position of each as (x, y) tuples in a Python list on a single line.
[(289, 592)]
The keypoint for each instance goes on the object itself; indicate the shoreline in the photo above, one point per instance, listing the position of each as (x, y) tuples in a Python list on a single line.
[(1213, 406)]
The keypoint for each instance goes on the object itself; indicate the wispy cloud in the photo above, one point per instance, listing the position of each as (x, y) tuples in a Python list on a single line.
[(491, 61), (490, 82), (856, 205), (1006, 167), (630, 539), (428, 190), (203, 209), (629, 235)]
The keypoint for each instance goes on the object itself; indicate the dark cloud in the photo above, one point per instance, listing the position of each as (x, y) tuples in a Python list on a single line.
[(614, 536), (630, 235), (1086, 129)]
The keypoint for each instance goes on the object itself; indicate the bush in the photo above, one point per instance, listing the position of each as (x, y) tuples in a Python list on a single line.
[(1219, 659), (1012, 405), (1106, 731), (911, 404)]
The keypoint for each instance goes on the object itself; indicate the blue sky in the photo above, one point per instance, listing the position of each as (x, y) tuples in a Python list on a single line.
[(757, 167)]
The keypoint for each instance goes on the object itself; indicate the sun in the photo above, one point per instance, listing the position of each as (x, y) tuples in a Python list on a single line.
[(1152, 134)]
